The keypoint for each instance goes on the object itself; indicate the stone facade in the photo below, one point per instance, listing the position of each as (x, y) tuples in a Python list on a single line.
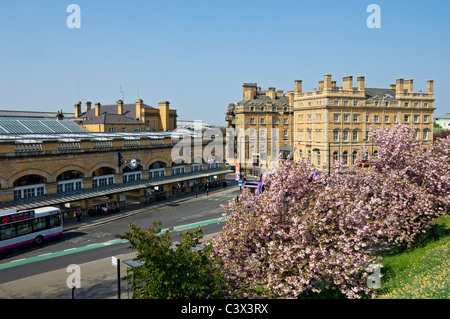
[(329, 123), (80, 168), (333, 123), (259, 119), (138, 117)]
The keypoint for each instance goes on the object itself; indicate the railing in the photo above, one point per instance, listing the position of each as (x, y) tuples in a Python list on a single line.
[(29, 147), (156, 141), (68, 146), (102, 144), (131, 143)]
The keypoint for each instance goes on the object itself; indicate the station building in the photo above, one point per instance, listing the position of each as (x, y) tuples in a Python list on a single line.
[(56, 162)]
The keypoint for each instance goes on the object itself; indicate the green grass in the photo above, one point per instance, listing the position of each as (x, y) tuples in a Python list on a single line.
[(423, 272)]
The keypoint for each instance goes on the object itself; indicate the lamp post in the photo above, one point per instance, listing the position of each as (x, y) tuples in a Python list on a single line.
[(329, 158)]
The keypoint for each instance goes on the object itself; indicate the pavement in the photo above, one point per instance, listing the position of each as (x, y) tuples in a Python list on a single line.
[(99, 277)]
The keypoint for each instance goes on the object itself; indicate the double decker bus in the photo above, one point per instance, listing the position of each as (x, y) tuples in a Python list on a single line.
[(29, 227)]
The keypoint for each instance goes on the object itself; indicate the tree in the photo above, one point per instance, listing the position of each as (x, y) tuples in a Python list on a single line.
[(442, 134), (309, 232), (168, 272)]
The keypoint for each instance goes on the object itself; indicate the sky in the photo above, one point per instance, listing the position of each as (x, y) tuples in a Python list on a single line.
[(197, 54)]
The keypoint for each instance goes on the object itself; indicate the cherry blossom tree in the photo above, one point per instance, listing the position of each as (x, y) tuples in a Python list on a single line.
[(309, 232)]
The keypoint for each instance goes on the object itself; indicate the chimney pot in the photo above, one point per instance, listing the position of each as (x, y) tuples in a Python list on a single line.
[(430, 86), (348, 83), (298, 86), (119, 106), (97, 109), (360, 83), (326, 82)]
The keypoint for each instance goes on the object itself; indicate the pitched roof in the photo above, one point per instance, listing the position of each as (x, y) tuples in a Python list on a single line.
[(372, 93), (128, 110), (106, 118), (261, 100)]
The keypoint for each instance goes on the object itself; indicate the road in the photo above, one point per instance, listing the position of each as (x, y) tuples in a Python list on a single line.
[(41, 272)]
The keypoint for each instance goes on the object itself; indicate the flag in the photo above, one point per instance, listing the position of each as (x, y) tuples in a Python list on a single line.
[(120, 160)]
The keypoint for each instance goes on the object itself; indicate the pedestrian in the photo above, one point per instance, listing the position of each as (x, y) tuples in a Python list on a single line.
[(78, 213)]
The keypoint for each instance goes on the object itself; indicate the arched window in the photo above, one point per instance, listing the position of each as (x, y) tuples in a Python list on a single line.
[(345, 157), (318, 158), (29, 186), (69, 181), (103, 176), (157, 169), (335, 156), (309, 157), (131, 174), (354, 154)]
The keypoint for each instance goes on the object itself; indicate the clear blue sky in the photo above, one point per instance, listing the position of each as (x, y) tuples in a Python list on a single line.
[(196, 54)]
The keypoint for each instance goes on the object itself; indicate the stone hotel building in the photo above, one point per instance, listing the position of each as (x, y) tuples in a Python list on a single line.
[(332, 122)]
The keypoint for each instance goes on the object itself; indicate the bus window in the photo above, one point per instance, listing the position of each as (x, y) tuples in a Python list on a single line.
[(7, 231), (55, 220), (39, 224), (24, 228)]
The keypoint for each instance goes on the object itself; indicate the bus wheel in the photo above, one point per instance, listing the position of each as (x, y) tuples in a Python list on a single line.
[(39, 240)]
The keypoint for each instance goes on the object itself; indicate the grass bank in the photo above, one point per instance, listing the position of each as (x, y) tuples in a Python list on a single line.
[(421, 273)]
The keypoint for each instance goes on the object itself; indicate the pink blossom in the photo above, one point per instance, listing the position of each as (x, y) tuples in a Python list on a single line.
[(308, 234)]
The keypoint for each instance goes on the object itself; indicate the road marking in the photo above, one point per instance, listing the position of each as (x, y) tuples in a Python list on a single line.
[(69, 251)]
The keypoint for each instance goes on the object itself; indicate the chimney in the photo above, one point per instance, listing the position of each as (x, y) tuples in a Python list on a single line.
[(280, 93), (249, 91), (119, 106), (139, 113), (60, 116), (430, 86), (321, 85), (97, 109), (271, 93), (348, 83), (399, 85), (77, 110), (290, 95), (298, 86), (360, 83), (392, 86), (164, 114), (88, 106), (409, 85), (326, 82), (333, 84)]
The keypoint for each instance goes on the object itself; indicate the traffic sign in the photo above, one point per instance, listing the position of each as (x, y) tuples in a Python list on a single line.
[(114, 261)]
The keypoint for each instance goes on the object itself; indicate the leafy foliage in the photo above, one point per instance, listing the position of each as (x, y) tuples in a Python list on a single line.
[(167, 272)]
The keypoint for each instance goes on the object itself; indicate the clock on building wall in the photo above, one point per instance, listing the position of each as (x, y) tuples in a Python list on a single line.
[(132, 163)]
